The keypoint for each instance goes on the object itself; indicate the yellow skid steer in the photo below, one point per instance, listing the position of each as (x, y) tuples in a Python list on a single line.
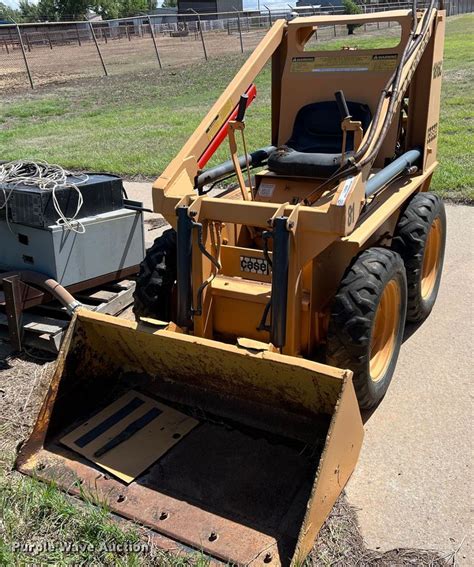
[(227, 418)]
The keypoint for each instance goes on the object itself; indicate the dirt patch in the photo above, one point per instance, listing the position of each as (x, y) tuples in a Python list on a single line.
[(23, 383), (58, 63), (70, 62)]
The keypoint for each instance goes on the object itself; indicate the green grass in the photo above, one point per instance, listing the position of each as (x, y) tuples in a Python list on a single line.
[(38, 523), (455, 175), (134, 125)]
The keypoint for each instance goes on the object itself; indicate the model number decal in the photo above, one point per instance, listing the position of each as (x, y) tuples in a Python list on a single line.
[(432, 133), (351, 214), (437, 69)]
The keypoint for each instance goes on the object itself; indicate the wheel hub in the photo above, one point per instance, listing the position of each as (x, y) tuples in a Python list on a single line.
[(430, 266), (384, 331)]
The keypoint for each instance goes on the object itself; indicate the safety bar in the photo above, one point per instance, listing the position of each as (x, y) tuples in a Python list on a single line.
[(220, 171)]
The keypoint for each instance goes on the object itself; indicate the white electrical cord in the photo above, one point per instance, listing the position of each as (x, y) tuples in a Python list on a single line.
[(47, 177)]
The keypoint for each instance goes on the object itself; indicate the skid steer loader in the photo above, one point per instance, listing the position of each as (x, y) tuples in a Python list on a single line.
[(227, 419)]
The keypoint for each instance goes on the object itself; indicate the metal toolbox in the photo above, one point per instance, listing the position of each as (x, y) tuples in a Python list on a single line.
[(111, 242)]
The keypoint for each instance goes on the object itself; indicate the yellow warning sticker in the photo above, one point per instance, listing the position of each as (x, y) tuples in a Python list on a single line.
[(219, 119), (302, 64), (339, 63)]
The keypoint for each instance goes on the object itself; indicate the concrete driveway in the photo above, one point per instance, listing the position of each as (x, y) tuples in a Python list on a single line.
[(413, 483)]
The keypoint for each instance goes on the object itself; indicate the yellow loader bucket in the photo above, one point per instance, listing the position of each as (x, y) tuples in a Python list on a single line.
[(252, 450)]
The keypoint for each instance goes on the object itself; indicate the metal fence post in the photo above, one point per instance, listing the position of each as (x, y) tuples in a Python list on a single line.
[(152, 33), (98, 49), (240, 33), (49, 39), (28, 43), (25, 59), (202, 37), (269, 16), (78, 36), (200, 32)]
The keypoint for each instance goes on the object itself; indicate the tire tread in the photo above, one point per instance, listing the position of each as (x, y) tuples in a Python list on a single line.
[(352, 315)]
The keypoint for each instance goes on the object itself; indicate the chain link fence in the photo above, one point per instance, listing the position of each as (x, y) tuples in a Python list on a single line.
[(42, 53)]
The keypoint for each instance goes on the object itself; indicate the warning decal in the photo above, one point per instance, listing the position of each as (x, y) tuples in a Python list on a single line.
[(339, 63), (219, 119), (302, 64)]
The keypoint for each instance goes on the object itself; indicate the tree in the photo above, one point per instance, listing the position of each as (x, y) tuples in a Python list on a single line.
[(72, 9), (62, 10), (108, 9), (54, 10), (132, 7), (8, 14), (47, 11), (169, 3), (351, 7)]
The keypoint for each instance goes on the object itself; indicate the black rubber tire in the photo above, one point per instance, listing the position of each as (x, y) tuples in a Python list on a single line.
[(410, 237), (153, 295), (352, 320)]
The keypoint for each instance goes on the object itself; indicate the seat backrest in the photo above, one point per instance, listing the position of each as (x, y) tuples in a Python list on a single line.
[(317, 127)]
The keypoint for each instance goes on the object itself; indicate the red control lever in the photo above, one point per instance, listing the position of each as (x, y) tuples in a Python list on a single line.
[(221, 135)]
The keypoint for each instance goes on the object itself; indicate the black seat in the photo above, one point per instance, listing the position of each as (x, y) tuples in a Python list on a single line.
[(314, 149)]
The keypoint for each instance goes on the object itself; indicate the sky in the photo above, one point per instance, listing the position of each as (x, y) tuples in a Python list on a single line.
[(247, 3)]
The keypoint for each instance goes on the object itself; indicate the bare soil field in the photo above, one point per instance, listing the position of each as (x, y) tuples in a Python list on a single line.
[(50, 63)]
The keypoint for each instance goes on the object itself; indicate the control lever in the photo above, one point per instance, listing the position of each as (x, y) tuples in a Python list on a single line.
[(239, 125), (342, 105), (347, 124), (242, 108)]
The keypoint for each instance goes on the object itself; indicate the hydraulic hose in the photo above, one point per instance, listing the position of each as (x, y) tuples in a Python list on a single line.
[(412, 44), (393, 84), (48, 284)]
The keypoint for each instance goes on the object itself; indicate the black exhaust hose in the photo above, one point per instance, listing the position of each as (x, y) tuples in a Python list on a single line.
[(213, 174), (280, 268), (184, 232)]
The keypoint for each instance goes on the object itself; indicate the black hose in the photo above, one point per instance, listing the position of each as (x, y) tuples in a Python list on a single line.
[(393, 84), (354, 166), (407, 53)]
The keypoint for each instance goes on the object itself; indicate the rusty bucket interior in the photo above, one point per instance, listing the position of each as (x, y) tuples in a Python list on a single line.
[(276, 438)]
